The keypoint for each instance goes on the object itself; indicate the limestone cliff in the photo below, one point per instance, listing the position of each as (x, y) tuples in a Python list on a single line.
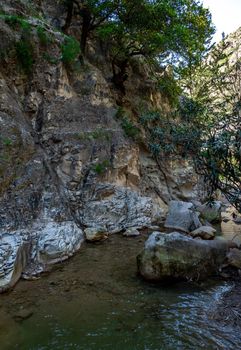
[(67, 161)]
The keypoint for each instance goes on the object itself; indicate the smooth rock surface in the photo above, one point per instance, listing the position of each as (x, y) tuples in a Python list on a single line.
[(175, 256), (182, 216)]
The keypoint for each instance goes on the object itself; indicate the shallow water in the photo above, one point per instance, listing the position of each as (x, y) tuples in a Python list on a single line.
[(96, 301)]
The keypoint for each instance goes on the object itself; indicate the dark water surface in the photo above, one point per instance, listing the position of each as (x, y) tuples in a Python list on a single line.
[(96, 301)]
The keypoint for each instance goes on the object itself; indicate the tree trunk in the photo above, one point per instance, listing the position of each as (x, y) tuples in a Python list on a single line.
[(120, 76), (70, 6), (86, 28)]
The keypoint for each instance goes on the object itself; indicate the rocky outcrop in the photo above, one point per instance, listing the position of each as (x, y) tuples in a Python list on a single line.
[(117, 208), (66, 162), (175, 256), (29, 253), (182, 216)]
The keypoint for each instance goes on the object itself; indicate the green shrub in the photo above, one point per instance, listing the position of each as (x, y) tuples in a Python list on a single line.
[(170, 88), (100, 168), (70, 50), (50, 59), (120, 113), (13, 21), (7, 142), (24, 51), (44, 38), (130, 129), (127, 125), (23, 48)]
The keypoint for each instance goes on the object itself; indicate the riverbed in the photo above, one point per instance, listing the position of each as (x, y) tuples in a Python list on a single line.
[(96, 301)]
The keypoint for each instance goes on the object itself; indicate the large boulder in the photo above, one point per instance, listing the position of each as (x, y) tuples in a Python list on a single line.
[(58, 241), (182, 217), (175, 256), (14, 256)]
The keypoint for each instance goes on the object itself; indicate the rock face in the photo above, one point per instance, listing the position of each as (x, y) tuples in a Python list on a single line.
[(175, 256), (182, 217), (66, 161), (117, 208)]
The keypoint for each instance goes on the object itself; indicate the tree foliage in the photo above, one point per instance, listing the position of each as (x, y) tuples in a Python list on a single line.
[(166, 30), (206, 125), (218, 92)]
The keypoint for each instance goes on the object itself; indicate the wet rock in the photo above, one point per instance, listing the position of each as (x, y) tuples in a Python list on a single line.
[(234, 258), (23, 314), (175, 256), (94, 234), (205, 232), (14, 255), (182, 216), (211, 211), (131, 232), (58, 241)]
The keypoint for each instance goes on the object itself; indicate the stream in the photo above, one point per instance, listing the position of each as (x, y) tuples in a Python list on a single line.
[(96, 301)]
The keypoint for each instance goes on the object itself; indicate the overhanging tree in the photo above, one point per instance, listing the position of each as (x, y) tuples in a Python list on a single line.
[(168, 30)]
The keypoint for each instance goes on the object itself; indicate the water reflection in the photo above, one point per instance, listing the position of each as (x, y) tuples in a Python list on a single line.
[(96, 302)]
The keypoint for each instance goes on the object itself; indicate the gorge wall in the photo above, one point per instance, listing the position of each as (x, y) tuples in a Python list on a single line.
[(67, 162)]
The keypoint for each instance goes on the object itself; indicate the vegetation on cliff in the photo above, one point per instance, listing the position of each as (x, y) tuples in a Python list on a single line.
[(159, 30), (174, 38)]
